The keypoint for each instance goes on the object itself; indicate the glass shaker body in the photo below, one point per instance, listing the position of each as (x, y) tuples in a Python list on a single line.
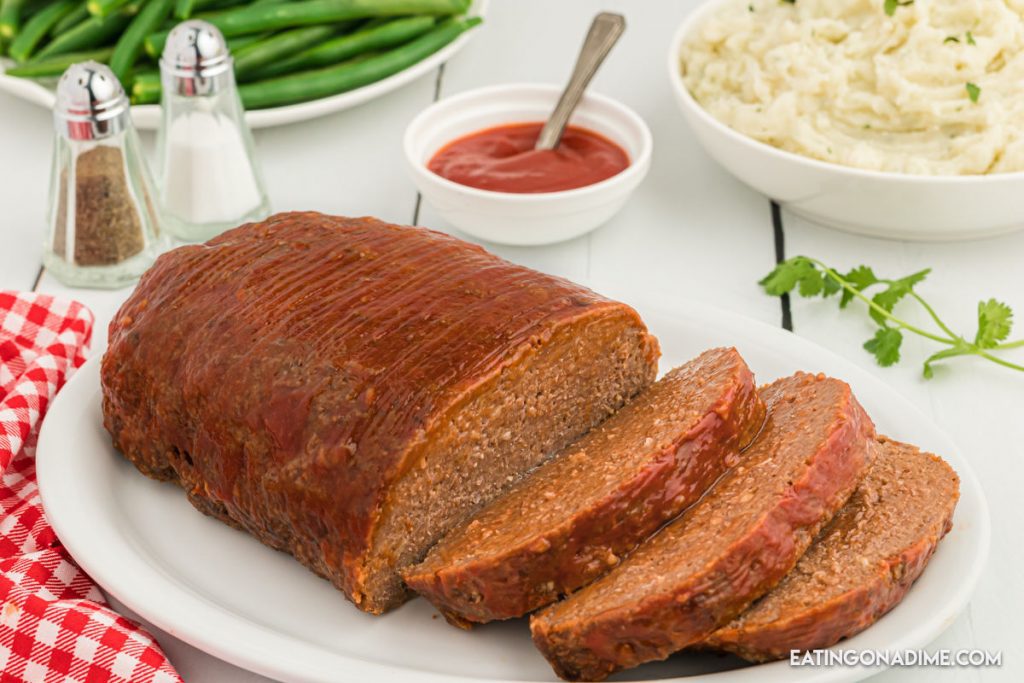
[(103, 228), (208, 179)]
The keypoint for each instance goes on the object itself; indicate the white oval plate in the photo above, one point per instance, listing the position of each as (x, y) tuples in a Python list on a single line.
[(147, 116), (223, 592)]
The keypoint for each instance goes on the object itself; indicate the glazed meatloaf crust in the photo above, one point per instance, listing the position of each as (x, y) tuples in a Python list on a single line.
[(730, 548), (861, 566), (571, 520), (347, 390)]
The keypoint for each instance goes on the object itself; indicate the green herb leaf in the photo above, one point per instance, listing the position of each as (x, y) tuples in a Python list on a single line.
[(886, 300), (861, 278), (897, 289), (970, 39), (914, 279), (788, 274), (995, 321), (812, 283), (974, 92), (951, 39), (885, 346), (832, 286), (891, 5)]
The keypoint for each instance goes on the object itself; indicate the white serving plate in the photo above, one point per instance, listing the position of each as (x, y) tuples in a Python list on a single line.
[(875, 203), (220, 590), (147, 116)]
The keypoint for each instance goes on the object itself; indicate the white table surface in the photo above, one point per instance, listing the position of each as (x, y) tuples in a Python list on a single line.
[(691, 230)]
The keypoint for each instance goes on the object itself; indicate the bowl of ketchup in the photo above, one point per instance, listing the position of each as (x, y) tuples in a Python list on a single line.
[(472, 158)]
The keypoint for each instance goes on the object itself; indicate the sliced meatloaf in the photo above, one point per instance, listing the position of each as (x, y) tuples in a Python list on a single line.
[(571, 520), (734, 545), (861, 566), (348, 390)]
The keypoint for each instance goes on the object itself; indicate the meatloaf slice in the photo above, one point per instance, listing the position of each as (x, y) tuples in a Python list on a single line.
[(572, 520), (348, 390), (727, 550), (861, 566)]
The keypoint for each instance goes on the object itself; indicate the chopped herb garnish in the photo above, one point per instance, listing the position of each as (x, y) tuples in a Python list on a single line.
[(970, 39), (810, 277), (750, 8), (891, 5), (951, 39), (973, 91)]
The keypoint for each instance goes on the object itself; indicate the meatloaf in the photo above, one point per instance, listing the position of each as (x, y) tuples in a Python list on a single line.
[(348, 390), (861, 566), (727, 550), (574, 518)]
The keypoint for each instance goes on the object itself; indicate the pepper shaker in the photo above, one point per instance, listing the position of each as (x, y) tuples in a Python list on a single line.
[(103, 230), (209, 181)]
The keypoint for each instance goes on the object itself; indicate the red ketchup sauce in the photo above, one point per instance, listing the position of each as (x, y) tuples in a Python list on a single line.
[(503, 159)]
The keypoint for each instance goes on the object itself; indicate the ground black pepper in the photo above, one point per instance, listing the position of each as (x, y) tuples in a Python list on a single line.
[(108, 229)]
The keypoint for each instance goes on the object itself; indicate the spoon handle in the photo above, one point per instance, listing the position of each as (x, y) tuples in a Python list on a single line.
[(604, 32)]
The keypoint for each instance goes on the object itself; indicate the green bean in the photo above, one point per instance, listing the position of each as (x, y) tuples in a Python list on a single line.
[(30, 7), (220, 4), (281, 45), (91, 33), (55, 66), (129, 45), (252, 19), (76, 17), (183, 9), (311, 85), (36, 28), (10, 17), (375, 35), (238, 42), (154, 43), (103, 8), (146, 88)]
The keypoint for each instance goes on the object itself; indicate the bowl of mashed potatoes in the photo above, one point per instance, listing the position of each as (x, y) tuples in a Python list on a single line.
[(895, 119)]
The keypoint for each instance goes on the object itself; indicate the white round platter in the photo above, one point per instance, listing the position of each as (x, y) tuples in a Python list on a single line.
[(223, 592)]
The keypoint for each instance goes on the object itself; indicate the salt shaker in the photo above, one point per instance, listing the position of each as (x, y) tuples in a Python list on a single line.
[(209, 181), (103, 228)]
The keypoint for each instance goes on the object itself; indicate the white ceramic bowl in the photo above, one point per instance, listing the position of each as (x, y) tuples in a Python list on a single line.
[(524, 219), (892, 205)]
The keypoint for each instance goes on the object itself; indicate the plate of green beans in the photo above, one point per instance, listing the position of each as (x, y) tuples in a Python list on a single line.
[(293, 60)]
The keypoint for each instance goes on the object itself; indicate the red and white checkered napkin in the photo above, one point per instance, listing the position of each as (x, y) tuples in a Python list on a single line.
[(54, 623)]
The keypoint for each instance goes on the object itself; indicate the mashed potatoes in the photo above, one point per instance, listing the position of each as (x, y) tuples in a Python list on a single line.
[(937, 88)]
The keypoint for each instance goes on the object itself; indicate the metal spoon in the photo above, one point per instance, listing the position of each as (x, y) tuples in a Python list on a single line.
[(604, 32)]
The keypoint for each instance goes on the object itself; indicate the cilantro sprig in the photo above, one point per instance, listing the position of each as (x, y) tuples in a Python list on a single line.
[(810, 278)]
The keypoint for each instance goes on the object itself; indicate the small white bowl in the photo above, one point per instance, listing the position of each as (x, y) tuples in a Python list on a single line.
[(880, 204), (517, 218)]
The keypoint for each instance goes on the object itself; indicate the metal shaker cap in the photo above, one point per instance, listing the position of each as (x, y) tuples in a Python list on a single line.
[(91, 103), (195, 54)]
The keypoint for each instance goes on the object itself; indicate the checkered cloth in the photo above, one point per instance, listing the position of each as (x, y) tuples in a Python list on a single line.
[(55, 624)]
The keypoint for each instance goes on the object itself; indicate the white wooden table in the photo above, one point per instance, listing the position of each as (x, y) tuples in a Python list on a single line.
[(690, 231)]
